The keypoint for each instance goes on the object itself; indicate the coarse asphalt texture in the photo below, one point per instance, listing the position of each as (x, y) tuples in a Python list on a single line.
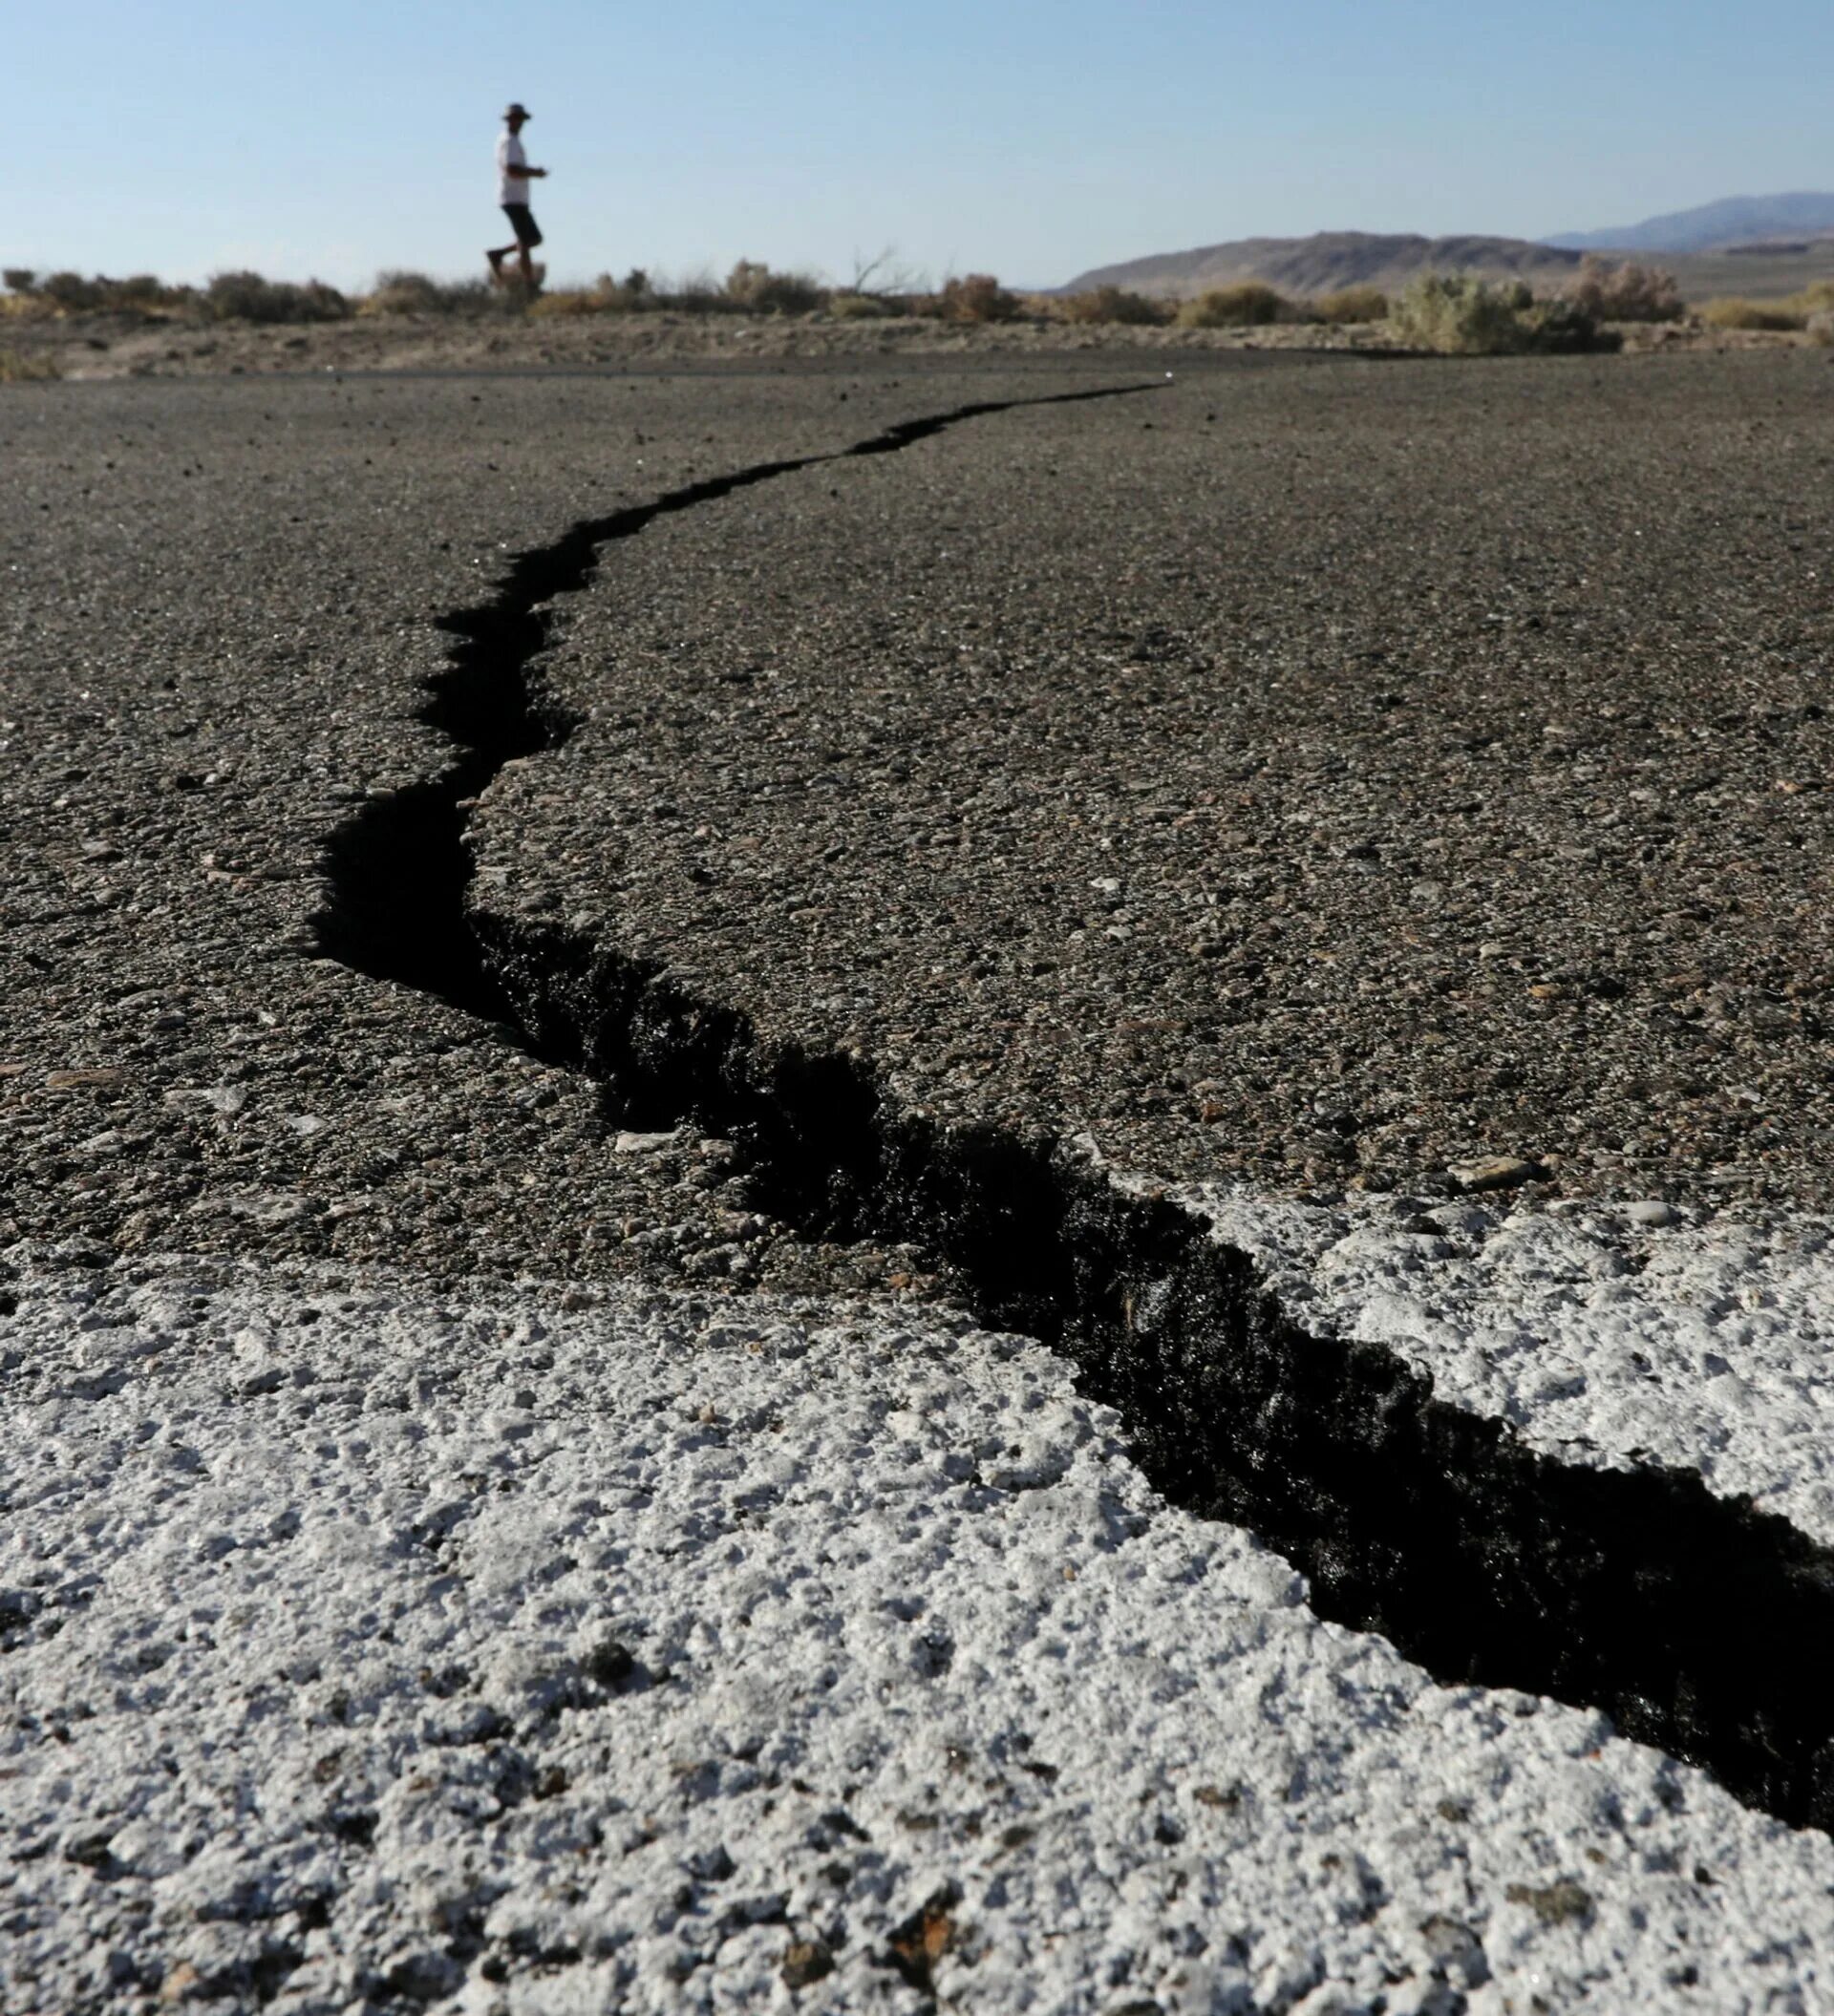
[(674, 1654), (1372, 809)]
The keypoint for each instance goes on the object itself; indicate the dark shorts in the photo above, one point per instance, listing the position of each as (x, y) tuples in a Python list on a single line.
[(521, 221)]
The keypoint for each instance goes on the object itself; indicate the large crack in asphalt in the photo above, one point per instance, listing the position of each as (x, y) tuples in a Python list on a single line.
[(1698, 1625)]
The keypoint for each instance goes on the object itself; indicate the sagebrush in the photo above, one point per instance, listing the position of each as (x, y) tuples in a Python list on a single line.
[(975, 297), (1460, 315), (1628, 292), (249, 297), (1116, 305), (1359, 304), (398, 291), (757, 286), (1247, 305)]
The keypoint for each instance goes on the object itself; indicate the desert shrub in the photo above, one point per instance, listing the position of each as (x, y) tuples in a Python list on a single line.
[(1732, 312), (72, 294), (1112, 304), (141, 294), (248, 297), (1243, 306), (858, 307), (24, 366), (1630, 292), (605, 296), (754, 285), (1459, 315), (70, 290), (1351, 305), (139, 290), (1563, 328), (403, 293), (975, 297), (1821, 329), (693, 295)]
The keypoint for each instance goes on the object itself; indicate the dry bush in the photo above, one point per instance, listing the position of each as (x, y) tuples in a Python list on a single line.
[(27, 366), (1351, 305), (753, 286), (1730, 311), (1113, 304), (858, 307), (1460, 315), (70, 291), (142, 290), (1630, 292), (696, 293), (247, 297), (402, 293), (72, 294), (1821, 329), (1245, 306), (605, 296), (975, 297)]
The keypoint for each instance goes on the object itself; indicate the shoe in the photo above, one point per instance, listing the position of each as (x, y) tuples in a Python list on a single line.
[(496, 264)]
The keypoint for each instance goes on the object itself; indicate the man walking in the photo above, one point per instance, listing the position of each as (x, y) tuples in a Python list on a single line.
[(513, 178)]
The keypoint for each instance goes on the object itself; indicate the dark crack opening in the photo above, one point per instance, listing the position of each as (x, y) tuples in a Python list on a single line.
[(1700, 1626)]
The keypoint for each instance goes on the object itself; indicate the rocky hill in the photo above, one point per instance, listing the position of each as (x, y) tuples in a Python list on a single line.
[(1328, 260), (1732, 221)]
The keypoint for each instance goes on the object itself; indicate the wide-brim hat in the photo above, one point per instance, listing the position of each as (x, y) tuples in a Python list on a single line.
[(517, 112)]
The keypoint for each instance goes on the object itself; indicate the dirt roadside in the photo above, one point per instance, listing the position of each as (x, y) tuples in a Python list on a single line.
[(127, 346)]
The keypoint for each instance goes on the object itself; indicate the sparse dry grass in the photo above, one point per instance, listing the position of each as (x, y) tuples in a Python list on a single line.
[(402, 293), (1731, 312), (28, 367)]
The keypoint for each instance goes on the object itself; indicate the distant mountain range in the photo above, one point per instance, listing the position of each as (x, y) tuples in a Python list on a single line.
[(1715, 228), (1757, 245), (1327, 261)]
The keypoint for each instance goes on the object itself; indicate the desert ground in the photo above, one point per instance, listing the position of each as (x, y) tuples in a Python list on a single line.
[(990, 1178), (89, 347)]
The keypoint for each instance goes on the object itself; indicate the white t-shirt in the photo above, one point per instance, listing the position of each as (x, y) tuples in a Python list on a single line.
[(512, 184)]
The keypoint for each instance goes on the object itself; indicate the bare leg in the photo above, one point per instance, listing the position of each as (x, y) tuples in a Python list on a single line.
[(528, 266)]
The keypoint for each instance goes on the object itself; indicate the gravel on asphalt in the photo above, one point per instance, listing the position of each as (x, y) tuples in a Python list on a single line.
[(368, 1649)]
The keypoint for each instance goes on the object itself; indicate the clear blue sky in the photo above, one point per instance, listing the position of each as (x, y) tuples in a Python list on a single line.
[(1025, 138)]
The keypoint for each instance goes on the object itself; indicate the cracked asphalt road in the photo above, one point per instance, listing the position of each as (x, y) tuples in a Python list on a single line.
[(1323, 778), (217, 625), (1311, 773)]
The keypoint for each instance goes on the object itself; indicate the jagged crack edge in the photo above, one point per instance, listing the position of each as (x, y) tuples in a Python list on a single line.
[(1698, 1625)]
